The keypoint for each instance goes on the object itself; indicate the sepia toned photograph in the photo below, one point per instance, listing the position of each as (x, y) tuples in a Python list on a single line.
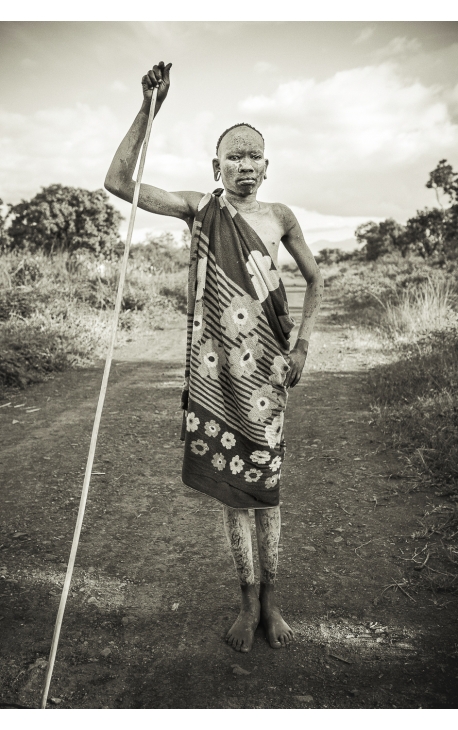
[(229, 365)]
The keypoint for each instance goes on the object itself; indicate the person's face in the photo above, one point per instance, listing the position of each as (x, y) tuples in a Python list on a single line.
[(241, 161)]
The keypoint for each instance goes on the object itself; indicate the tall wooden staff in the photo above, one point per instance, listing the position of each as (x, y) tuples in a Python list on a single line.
[(98, 415)]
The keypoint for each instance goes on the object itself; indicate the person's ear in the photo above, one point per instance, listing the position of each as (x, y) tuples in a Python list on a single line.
[(216, 169), (265, 169)]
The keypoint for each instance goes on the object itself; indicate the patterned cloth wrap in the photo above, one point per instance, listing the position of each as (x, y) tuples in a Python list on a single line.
[(234, 396)]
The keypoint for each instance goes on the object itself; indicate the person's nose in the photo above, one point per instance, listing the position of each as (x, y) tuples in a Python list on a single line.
[(246, 165)]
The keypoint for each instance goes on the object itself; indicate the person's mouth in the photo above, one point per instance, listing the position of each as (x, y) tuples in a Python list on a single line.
[(247, 180)]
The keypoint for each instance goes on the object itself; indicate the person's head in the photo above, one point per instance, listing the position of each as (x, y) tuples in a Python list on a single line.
[(240, 159)]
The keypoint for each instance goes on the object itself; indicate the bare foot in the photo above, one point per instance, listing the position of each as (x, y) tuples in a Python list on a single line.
[(241, 634), (277, 631)]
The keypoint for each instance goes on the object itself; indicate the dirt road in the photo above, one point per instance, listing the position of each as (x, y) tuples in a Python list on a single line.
[(154, 590)]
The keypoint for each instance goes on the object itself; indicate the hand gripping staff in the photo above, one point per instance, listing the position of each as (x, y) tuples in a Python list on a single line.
[(98, 414)]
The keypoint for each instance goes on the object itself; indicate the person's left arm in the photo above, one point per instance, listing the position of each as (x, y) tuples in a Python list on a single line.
[(294, 242)]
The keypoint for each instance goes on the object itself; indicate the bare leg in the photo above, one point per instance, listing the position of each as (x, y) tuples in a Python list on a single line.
[(237, 526), (268, 534)]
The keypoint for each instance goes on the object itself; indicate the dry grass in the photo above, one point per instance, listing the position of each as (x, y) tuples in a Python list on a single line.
[(418, 310), (405, 313), (57, 312)]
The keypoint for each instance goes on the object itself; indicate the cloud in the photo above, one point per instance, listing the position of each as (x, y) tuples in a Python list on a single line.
[(341, 142), (316, 226), (399, 46), (75, 145), (364, 36), (72, 146)]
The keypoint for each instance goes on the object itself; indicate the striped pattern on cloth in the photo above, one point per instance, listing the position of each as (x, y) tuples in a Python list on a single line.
[(234, 396)]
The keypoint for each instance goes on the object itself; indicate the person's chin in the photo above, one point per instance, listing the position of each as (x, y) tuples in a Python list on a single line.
[(247, 188)]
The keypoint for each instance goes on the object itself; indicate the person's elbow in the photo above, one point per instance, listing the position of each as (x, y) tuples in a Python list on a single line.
[(112, 185), (315, 278), (117, 186)]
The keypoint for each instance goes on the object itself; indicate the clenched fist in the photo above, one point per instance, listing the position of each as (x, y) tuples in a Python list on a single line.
[(158, 76)]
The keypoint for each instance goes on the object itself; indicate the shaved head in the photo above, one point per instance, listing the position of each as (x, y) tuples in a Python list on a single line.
[(234, 126)]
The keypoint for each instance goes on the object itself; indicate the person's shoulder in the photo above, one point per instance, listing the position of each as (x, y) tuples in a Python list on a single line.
[(284, 215)]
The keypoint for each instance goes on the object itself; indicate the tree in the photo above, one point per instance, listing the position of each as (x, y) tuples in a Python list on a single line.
[(161, 253), (425, 233), (4, 238), (443, 178), (63, 218), (380, 238)]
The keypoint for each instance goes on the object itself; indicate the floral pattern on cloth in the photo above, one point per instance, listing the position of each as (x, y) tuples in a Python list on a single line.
[(236, 465), (192, 422), (260, 457), (241, 316), (256, 466), (219, 462), (272, 481), (228, 440), (264, 400), (212, 428), (274, 431), (199, 447), (279, 370), (212, 358), (275, 463), (201, 277), (242, 360), (253, 475), (263, 278), (197, 323), (237, 345)]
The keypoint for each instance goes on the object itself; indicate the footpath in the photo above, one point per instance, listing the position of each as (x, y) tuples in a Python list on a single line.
[(154, 589)]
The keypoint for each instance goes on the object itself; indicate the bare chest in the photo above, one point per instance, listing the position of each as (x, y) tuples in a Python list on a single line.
[(268, 228)]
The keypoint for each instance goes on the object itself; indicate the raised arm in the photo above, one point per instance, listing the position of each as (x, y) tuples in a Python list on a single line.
[(119, 180), (293, 240)]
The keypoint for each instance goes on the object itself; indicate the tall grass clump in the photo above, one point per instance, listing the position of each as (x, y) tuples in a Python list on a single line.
[(408, 309), (414, 311), (56, 311), (416, 395)]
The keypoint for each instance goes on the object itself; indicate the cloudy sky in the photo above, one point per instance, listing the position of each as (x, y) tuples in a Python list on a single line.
[(354, 114)]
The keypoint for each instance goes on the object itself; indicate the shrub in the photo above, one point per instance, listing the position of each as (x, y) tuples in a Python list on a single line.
[(56, 312), (64, 219)]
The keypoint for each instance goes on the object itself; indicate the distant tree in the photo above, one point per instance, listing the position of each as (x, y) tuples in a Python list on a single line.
[(425, 233), (380, 238), (161, 253), (432, 232), (186, 237), (451, 231), (445, 179), (328, 256), (4, 238), (61, 218)]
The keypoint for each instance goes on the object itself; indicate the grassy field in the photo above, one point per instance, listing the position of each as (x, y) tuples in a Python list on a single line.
[(405, 314), (57, 312)]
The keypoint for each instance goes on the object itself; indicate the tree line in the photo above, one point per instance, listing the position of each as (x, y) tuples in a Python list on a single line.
[(431, 233), (67, 219)]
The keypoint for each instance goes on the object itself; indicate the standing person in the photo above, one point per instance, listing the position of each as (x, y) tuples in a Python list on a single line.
[(239, 365)]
